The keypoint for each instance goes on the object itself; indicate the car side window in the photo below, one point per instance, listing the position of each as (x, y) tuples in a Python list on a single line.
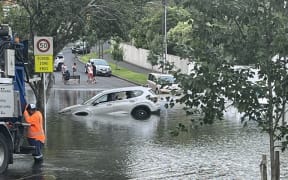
[(120, 95), (137, 93), (102, 99), (130, 94), (150, 77), (154, 79), (106, 98)]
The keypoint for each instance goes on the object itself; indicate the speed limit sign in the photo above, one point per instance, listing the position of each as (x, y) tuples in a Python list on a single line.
[(43, 46)]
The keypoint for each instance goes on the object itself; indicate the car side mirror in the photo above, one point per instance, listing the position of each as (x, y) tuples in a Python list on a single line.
[(95, 103)]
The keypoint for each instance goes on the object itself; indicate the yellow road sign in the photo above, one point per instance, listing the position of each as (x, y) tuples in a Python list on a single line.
[(44, 63)]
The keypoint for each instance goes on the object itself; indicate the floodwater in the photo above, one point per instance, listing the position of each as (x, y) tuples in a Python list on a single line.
[(113, 147)]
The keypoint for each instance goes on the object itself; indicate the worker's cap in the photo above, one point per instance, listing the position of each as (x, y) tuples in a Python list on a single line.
[(31, 107)]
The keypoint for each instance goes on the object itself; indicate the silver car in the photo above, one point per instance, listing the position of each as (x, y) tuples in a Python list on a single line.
[(138, 101), (102, 67)]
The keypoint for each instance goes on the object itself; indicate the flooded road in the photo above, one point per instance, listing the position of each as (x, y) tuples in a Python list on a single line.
[(113, 147)]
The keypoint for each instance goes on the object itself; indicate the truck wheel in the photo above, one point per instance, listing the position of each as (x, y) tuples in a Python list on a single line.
[(4, 154)]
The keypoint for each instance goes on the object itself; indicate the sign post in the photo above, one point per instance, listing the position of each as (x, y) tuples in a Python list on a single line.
[(43, 52)]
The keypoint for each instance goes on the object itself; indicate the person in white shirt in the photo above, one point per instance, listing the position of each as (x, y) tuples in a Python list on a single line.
[(90, 73)]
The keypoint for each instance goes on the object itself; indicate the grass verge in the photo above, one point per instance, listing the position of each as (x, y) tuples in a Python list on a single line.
[(124, 73)]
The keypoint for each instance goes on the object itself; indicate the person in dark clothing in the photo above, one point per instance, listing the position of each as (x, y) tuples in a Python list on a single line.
[(66, 76), (94, 72)]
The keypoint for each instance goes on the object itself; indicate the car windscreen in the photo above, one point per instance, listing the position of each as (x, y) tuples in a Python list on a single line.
[(89, 101), (101, 62), (166, 79), (60, 57)]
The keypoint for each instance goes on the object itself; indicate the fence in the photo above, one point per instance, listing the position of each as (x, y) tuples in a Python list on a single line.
[(138, 56)]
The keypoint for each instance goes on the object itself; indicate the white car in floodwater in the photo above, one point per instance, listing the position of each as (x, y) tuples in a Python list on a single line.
[(138, 101)]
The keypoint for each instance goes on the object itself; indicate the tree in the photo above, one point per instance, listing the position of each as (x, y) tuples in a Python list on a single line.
[(178, 36), (117, 51), (1, 13), (152, 58), (154, 24), (225, 33)]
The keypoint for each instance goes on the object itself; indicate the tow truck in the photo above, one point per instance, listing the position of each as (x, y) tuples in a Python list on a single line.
[(13, 57)]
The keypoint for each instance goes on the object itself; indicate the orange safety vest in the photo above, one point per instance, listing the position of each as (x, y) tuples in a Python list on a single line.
[(35, 129)]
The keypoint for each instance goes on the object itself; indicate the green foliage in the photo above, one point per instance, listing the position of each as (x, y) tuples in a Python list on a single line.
[(179, 36), (152, 58), (152, 26), (85, 58), (117, 52), (225, 33), (1, 14)]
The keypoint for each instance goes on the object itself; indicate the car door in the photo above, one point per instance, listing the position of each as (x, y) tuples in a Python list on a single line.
[(121, 104), (151, 81), (102, 105)]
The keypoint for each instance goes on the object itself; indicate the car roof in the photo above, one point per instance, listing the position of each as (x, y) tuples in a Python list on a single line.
[(160, 74), (97, 59), (60, 55), (130, 88)]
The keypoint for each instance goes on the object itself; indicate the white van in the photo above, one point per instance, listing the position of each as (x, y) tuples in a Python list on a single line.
[(162, 83), (58, 61)]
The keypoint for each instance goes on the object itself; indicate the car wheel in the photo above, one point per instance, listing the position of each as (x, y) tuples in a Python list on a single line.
[(4, 154), (141, 113)]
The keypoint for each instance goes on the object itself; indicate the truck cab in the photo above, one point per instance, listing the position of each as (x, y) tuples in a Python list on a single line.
[(12, 99)]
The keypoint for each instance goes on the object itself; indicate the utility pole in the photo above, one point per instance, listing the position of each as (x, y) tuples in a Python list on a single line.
[(165, 33)]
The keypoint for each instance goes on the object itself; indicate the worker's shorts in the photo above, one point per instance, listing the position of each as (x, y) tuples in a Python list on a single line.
[(38, 148)]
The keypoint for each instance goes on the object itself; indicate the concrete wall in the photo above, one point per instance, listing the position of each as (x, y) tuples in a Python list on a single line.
[(139, 58)]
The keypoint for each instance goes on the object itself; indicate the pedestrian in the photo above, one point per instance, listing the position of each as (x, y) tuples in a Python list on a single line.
[(94, 72), (66, 76), (35, 134), (74, 68), (63, 70), (90, 73)]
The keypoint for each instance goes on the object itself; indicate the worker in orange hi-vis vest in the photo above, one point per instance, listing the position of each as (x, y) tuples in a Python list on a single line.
[(35, 134)]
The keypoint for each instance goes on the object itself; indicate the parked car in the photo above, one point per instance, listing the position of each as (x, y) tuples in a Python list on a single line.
[(102, 67), (163, 83), (58, 61), (138, 101), (81, 48)]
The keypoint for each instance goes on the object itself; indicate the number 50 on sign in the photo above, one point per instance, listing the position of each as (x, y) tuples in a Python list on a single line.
[(43, 46)]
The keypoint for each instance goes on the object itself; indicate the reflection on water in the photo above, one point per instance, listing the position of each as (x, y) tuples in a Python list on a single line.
[(145, 128), (113, 147)]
